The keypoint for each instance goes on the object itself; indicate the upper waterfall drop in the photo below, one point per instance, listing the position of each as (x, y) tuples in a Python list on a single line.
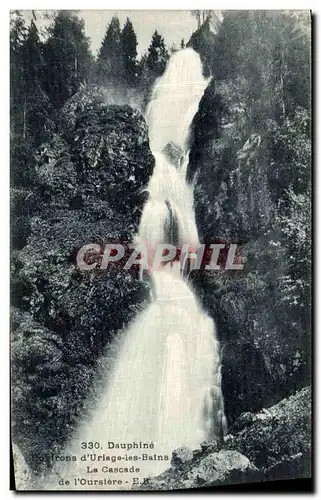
[(175, 100)]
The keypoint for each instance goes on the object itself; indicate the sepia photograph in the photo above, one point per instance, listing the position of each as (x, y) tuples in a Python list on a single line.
[(160, 249)]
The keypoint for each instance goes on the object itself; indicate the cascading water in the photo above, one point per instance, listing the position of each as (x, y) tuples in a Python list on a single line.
[(175, 100), (166, 386)]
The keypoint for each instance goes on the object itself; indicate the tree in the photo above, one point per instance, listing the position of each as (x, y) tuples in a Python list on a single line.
[(109, 61), (157, 56), (182, 44), (201, 16), (18, 34), (129, 52), (152, 65), (30, 109), (19, 147), (68, 61), (36, 105), (32, 54)]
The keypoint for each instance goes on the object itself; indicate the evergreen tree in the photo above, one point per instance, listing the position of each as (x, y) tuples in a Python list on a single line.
[(109, 61), (152, 65), (30, 106), (32, 54), (182, 44), (68, 60), (19, 147), (129, 52), (18, 33), (38, 107), (142, 68), (157, 56), (173, 48)]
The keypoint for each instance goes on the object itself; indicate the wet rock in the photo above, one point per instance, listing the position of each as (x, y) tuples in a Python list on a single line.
[(296, 466), (218, 468), (269, 445), (181, 456), (210, 445), (173, 153), (265, 357), (243, 421), (277, 434), (224, 467)]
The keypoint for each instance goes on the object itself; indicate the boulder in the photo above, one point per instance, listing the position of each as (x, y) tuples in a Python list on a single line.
[(173, 153), (277, 437), (223, 467), (211, 469), (181, 456)]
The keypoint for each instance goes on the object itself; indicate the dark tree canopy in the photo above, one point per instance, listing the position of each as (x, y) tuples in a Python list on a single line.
[(157, 55), (109, 61), (129, 52), (68, 58), (30, 107)]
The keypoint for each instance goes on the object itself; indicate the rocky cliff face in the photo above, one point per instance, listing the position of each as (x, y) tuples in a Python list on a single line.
[(87, 190), (263, 329), (272, 444)]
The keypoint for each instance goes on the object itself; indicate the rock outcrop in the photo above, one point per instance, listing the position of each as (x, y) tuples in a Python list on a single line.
[(272, 444), (261, 312), (278, 437)]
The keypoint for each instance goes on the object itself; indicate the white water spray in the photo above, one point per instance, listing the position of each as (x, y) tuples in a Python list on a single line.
[(175, 100), (165, 388)]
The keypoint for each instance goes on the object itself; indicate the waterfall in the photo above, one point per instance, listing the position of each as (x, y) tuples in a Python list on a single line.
[(165, 388), (175, 100)]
